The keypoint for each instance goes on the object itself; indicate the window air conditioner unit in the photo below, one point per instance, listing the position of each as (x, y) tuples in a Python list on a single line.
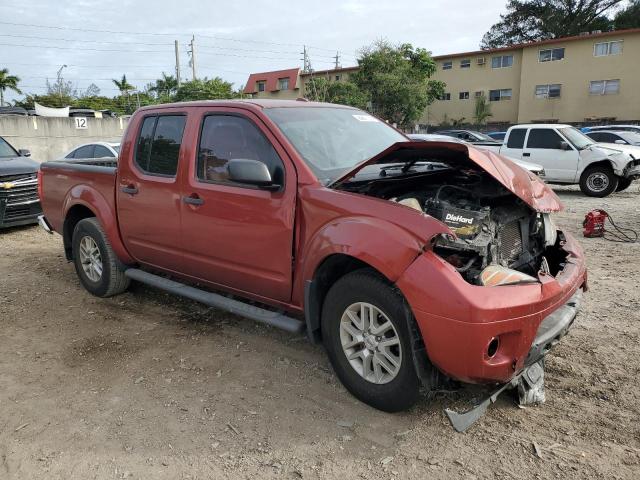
[(481, 60)]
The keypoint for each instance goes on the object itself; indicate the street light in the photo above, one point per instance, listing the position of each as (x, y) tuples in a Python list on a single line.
[(60, 72)]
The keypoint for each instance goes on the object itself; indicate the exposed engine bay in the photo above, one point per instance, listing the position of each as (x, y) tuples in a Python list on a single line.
[(498, 237)]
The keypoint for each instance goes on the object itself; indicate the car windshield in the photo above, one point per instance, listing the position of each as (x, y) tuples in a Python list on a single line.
[(632, 137), (333, 140), (483, 137), (577, 138), (6, 150)]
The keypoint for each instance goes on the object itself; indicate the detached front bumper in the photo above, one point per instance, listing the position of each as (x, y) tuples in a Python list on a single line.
[(481, 334), (632, 171)]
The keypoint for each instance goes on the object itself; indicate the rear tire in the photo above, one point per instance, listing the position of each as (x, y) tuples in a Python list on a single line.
[(598, 181), (380, 370), (623, 184), (97, 266)]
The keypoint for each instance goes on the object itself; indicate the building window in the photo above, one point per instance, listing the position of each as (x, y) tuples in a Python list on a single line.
[(502, 61), (261, 86), (447, 65), (283, 83), (337, 78), (551, 54), (497, 95), (465, 63), (551, 90), (445, 96), (463, 96), (604, 87), (607, 48), (479, 94)]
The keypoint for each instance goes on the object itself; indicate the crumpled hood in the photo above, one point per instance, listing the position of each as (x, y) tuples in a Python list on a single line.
[(525, 185), (17, 166), (633, 150)]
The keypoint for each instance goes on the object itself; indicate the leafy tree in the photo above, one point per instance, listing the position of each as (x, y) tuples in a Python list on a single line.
[(534, 20), (49, 100), (205, 89), (165, 86), (628, 17), (125, 87), (321, 89), (396, 79), (481, 110), (8, 82), (92, 91), (61, 88)]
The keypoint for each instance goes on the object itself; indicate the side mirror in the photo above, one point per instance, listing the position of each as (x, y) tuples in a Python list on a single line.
[(565, 146), (24, 152), (252, 172), (620, 142)]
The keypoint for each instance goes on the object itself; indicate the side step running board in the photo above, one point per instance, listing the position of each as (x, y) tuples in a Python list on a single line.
[(258, 314)]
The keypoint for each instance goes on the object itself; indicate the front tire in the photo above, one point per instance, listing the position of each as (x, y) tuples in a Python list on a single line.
[(365, 333), (598, 181), (97, 266), (623, 184)]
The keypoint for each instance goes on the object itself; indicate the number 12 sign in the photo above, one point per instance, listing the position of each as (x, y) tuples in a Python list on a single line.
[(81, 122)]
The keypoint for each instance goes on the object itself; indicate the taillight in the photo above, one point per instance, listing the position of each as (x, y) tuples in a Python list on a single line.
[(40, 183)]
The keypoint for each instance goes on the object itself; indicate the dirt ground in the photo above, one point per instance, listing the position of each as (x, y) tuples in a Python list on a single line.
[(146, 385)]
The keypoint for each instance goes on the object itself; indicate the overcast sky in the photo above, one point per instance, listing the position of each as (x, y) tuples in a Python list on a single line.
[(233, 39)]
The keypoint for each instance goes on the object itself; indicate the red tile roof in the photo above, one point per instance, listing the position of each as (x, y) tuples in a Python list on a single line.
[(541, 42), (272, 80)]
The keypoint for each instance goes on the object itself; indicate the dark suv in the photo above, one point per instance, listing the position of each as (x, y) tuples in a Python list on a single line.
[(19, 202)]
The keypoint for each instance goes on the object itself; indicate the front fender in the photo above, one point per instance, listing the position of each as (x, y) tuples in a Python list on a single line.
[(104, 211), (382, 244)]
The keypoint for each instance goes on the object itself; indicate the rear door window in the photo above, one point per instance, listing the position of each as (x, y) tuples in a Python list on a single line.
[(84, 152), (159, 142), (516, 138), (101, 151), (544, 138)]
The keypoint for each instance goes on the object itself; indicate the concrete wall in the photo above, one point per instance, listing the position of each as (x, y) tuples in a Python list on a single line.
[(51, 138)]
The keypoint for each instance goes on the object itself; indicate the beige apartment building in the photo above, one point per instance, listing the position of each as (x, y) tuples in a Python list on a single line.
[(594, 77)]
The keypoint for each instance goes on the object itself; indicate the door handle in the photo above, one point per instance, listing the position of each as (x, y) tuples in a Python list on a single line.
[(130, 189), (193, 199), (526, 154)]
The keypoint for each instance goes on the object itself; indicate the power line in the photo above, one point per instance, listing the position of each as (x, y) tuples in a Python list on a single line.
[(215, 37), (83, 49), (34, 37)]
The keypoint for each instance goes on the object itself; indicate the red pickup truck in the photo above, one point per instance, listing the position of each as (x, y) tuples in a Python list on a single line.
[(411, 261)]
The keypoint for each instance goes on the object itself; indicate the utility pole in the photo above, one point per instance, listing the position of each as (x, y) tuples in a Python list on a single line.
[(192, 52), (337, 59), (306, 68), (177, 63)]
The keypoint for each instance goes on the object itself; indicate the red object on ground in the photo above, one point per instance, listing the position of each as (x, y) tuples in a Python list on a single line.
[(594, 223)]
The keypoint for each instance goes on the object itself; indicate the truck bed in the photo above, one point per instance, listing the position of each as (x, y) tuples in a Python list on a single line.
[(91, 180)]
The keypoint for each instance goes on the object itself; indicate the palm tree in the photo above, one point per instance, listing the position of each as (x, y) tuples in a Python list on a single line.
[(166, 85), (482, 110), (124, 86), (8, 82)]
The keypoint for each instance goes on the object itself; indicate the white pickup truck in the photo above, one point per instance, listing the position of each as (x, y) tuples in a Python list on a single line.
[(569, 157)]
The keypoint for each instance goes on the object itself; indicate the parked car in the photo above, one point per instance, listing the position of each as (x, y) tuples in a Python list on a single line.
[(95, 150), (432, 137), (621, 137), (19, 203), (471, 136), (311, 216), (616, 128), (570, 157), (498, 136)]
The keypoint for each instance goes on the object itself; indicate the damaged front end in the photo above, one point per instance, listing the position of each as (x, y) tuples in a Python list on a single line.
[(493, 294), (498, 214)]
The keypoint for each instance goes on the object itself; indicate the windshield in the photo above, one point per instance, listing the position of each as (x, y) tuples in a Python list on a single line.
[(483, 137), (577, 138), (6, 150), (333, 140)]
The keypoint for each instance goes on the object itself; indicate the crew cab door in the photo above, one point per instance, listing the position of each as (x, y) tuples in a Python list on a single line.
[(514, 143), (148, 193), (543, 146), (235, 235)]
